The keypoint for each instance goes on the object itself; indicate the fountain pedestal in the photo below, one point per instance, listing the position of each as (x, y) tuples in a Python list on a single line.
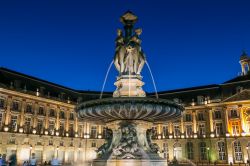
[(130, 146), (129, 86)]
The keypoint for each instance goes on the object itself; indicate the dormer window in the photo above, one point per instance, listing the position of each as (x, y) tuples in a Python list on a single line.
[(200, 99), (239, 89)]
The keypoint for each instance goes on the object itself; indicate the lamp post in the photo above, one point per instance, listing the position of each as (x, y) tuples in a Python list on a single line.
[(30, 151), (208, 155)]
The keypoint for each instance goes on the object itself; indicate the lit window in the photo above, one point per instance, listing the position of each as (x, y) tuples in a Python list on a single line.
[(238, 151), (61, 129), (203, 151), (201, 129), (27, 125), (221, 150), (39, 126), (13, 123), (190, 150), (51, 127), (165, 131), (219, 129), (189, 130), (165, 151), (235, 128), (177, 131), (93, 132)]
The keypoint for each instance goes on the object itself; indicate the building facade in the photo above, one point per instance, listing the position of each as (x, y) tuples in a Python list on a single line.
[(39, 117)]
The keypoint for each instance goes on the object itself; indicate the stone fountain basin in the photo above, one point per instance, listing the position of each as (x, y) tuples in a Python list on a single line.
[(129, 108)]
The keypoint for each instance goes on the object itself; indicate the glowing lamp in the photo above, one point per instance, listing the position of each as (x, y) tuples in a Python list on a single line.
[(57, 133), (46, 132), (20, 130), (99, 136), (67, 134), (227, 135), (6, 128), (159, 137), (212, 135), (170, 136), (34, 131)]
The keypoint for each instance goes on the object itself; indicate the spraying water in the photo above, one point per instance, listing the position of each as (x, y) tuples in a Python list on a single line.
[(153, 80), (106, 76)]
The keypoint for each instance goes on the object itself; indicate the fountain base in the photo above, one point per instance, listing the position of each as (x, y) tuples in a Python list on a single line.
[(130, 163), (131, 143), (129, 86)]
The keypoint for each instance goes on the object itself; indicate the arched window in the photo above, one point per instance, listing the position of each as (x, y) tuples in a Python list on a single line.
[(221, 150), (238, 156), (190, 150), (203, 151)]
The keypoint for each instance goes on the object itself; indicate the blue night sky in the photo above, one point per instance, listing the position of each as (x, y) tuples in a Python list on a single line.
[(187, 42)]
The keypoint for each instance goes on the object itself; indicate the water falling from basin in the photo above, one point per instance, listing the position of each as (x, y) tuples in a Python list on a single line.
[(153, 80), (106, 76)]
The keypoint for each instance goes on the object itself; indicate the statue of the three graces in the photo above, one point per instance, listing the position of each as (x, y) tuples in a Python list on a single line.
[(129, 58)]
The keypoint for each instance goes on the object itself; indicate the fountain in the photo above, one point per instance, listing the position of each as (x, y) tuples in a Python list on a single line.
[(129, 114)]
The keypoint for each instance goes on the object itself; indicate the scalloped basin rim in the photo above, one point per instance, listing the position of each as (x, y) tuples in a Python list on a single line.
[(116, 100)]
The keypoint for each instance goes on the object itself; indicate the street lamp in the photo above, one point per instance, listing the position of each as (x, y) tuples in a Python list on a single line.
[(208, 155)]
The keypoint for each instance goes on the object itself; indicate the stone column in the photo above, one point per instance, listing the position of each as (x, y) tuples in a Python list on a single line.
[(46, 109), (226, 121), (57, 118), (99, 131), (182, 127), (76, 124), (7, 115), (159, 131), (194, 124), (211, 123), (22, 118), (67, 122), (240, 110)]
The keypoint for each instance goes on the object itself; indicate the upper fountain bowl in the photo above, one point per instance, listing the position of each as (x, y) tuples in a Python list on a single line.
[(129, 108)]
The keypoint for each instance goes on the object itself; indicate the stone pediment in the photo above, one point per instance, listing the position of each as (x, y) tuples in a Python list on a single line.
[(243, 95)]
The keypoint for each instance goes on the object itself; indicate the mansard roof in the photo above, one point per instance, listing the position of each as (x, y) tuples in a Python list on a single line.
[(241, 96), (29, 84)]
